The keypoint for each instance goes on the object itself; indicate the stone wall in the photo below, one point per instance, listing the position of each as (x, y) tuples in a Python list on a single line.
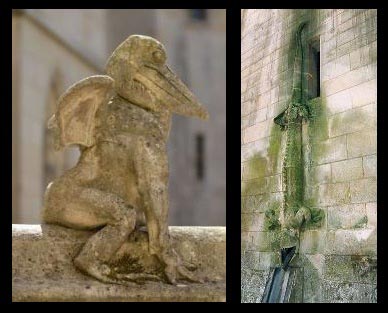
[(338, 256), (42, 62), (56, 48), (197, 54), (43, 269)]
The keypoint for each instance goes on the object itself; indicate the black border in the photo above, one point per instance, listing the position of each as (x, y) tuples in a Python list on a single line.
[(233, 57), (233, 156), (6, 133)]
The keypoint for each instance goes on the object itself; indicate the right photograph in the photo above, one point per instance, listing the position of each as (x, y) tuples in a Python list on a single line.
[(309, 155)]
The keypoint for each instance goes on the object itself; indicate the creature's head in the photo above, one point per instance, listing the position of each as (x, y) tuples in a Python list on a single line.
[(141, 75)]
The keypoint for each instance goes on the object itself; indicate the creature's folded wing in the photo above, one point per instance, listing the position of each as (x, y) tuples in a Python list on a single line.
[(75, 116)]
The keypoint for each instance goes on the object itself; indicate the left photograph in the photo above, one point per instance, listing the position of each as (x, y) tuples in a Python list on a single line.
[(118, 155)]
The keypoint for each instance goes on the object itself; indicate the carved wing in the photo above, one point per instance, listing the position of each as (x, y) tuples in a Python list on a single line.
[(76, 109)]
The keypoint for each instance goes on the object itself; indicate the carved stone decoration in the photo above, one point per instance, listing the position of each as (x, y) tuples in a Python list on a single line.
[(120, 122), (296, 213)]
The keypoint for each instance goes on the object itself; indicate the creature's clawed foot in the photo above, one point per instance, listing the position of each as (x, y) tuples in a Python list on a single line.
[(190, 266), (138, 278), (176, 269), (105, 274), (100, 271), (180, 272)]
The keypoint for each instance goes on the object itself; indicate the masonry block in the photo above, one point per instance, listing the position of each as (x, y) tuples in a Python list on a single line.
[(42, 268), (255, 167), (346, 292), (322, 173), (362, 143), (260, 241), (255, 132), (253, 186), (330, 150), (371, 212), (345, 48), (364, 93), (312, 241), (244, 122), (353, 120), (256, 260), (370, 165), (351, 268), (259, 203), (360, 57), (252, 222), (334, 194), (363, 190), (253, 285), (352, 242), (253, 203), (274, 183), (339, 102), (347, 170), (348, 80), (253, 148), (350, 216), (261, 115), (342, 64)]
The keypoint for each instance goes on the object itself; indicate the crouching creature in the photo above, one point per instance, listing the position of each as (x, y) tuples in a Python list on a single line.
[(120, 122)]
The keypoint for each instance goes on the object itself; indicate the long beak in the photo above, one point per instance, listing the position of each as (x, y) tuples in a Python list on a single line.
[(171, 91)]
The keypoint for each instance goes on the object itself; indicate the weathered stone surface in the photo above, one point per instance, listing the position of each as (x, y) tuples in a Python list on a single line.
[(256, 167), (252, 222), (322, 173), (312, 285), (352, 242), (339, 102), (371, 212), (121, 123), (274, 183), (347, 170), (351, 268), (339, 150), (370, 165), (347, 217), (360, 57), (259, 203), (362, 143), (43, 271), (258, 260), (260, 241), (253, 284), (334, 194), (335, 292), (363, 190), (253, 186), (250, 149), (330, 150), (252, 204), (347, 80), (312, 241), (258, 131), (261, 115), (353, 120), (364, 93)]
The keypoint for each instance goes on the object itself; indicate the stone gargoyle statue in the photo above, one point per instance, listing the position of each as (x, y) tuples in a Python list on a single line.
[(120, 122)]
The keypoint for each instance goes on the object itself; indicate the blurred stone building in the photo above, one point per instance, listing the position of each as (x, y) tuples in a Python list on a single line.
[(52, 49), (338, 257)]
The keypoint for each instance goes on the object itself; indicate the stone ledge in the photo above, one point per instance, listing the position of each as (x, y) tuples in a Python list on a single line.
[(42, 266)]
